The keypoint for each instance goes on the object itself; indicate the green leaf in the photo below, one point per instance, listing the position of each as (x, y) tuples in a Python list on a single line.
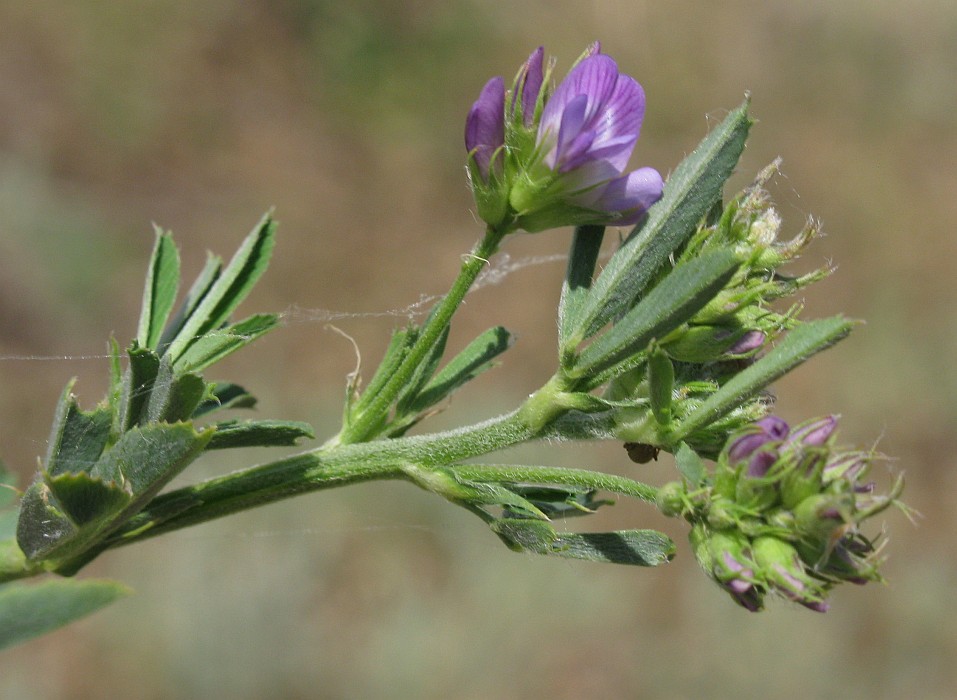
[(691, 191), (146, 458), (661, 384), (561, 501), (142, 461), (690, 465), (30, 610), (582, 258), (162, 282), (217, 344), (399, 345), (137, 386), (673, 301), (84, 498), (77, 437), (633, 547), (229, 289), (423, 373), (225, 395), (469, 363), (197, 292), (42, 527), (259, 433), (174, 397), (797, 347), (8, 509)]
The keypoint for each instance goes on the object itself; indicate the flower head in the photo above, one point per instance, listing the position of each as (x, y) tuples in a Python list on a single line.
[(564, 153), (782, 514)]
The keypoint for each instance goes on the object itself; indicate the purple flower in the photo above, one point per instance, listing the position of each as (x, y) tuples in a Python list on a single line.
[(485, 125), (588, 130), (750, 341), (542, 159), (760, 433), (814, 433), (528, 86)]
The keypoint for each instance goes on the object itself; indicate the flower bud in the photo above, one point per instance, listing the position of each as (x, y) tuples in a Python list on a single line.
[(760, 433), (782, 568), (724, 556)]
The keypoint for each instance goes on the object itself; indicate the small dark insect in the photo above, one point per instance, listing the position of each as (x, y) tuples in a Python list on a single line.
[(641, 453)]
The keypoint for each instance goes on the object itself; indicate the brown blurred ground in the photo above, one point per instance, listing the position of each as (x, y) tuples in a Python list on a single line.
[(348, 118)]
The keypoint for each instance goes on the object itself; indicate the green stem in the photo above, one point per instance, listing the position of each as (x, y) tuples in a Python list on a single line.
[(370, 409), (326, 467), (329, 467)]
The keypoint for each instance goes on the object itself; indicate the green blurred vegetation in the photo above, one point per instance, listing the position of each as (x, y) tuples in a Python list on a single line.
[(348, 118)]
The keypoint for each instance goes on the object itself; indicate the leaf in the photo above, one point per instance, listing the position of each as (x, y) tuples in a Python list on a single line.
[(217, 344), (469, 363), (137, 386), (77, 437), (229, 289), (797, 347), (42, 527), (197, 292), (690, 465), (633, 547), (674, 300), (8, 509), (422, 374), (561, 501), (582, 258), (146, 458), (225, 395), (30, 610), (174, 397), (259, 433), (162, 282), (691, 191), (84, 498)]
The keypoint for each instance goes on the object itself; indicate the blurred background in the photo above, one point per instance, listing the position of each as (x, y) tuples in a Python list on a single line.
[(348, 118)]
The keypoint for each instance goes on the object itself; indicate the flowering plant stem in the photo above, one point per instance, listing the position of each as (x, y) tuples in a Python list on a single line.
[(371, 408), (415, 459)]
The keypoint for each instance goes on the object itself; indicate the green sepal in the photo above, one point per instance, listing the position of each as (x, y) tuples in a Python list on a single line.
[(795, 348), (77, 437), (701, 344), (162, 283), (223, 395), (30, 610), (258, 433), (690, 193), (632, 547), (673, 301), (217, 344), (228, 290)]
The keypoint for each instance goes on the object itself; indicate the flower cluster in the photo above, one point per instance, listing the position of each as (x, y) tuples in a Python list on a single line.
[(781, 514), (543, 159)]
